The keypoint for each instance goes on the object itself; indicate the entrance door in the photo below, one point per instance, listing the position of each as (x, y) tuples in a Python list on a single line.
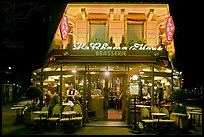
[(106, 92)]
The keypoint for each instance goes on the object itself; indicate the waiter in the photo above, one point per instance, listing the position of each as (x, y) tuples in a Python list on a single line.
[(70, 93)]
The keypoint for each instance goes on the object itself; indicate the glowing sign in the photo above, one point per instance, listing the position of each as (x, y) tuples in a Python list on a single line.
[(105, 46), (64, 28), (170, 29)]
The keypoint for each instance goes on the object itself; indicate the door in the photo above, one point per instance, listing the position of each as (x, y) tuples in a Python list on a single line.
[(106, 96)]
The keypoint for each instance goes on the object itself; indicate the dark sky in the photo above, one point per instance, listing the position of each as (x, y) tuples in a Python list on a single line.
[(32, 32)]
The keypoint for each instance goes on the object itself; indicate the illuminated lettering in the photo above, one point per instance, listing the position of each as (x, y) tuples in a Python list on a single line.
[(105, 46), (170, 29), (64, 27), (111, 53), (137, 46)]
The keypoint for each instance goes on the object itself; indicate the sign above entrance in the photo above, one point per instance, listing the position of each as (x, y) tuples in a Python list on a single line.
[(105, 46)]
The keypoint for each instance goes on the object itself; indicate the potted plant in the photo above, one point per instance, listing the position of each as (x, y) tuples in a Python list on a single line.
[(178, 97)]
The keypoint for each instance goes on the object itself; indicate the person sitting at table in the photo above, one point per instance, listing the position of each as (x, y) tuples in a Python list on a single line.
[(77, 99)]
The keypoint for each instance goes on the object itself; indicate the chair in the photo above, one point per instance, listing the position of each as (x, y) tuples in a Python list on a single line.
[(147, 122), (154, 109), (145, 114), (67, 108), (77, 119), (55, 117), (65, 118), (45, 108), (165, 110)]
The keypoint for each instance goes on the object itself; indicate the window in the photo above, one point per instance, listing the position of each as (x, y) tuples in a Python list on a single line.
[(97, 33), (135, 32)]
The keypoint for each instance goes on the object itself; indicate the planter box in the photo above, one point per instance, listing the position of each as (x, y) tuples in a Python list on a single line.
[(183, 121), (28, 117)]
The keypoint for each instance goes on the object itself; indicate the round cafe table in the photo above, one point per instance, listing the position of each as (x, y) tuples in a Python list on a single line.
[(191, 108), (19, 110), (193, 119), (166, 105), (41, 113), (143, 106), (158, 115), (19, 113), (69, 113)]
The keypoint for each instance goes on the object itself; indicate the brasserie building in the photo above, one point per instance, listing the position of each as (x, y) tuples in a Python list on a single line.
[(111, 53)]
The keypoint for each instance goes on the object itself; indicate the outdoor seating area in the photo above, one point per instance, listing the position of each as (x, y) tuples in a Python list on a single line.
[(63, 117), (164, 119)]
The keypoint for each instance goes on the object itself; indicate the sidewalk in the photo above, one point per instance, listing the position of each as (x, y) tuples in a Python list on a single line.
[(9, 128)]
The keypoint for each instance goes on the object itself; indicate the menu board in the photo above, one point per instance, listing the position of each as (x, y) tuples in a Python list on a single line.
[(134, 89)]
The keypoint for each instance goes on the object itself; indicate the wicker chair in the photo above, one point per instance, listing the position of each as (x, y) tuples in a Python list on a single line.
[(41, 120), (56, 115), (78, 117)]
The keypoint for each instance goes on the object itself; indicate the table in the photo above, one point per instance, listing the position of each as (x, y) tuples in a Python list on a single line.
[(191, 108), (159, 115), (19, 105), (19, 110), (41, 113), (166, 105), (19, 113), (195, 113), (197, 110), (69, 115), (179, 117), (143, 106), (70, 103)]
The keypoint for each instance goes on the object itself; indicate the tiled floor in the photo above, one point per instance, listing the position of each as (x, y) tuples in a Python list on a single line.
[(114, 114)]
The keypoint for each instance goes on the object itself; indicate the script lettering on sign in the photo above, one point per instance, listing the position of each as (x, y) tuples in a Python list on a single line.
[(104, 49), (105, 46)]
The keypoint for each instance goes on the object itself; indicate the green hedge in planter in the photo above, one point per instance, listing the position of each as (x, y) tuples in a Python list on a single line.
[(178, 96), (179, 109), (32, 107)]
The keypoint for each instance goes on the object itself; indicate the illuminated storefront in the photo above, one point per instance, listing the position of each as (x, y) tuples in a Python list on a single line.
[(100, 47)]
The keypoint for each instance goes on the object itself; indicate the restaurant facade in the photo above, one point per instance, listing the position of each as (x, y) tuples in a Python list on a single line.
[(111, 53)]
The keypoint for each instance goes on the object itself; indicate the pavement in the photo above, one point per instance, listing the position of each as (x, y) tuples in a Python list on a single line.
[(10, 127)]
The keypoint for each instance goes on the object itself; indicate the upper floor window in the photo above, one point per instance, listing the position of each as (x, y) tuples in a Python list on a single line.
[(135, 32), (97, 32)]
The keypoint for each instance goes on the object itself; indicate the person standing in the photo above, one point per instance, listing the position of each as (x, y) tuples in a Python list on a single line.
[(48, 98), (71, 92), (55, 100)]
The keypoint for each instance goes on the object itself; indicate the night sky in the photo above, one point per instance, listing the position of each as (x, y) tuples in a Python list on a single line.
[(29, 35)]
